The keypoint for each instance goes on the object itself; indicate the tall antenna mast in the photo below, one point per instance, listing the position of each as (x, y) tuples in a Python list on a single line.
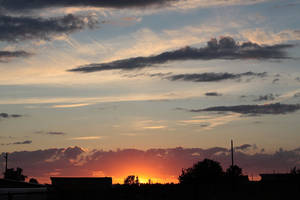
[(232, 153)]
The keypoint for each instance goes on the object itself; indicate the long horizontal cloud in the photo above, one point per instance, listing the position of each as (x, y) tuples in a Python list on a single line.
[(27, 28), (19, 143), (21, 5), (74, 161), (225, 48), (5, 56), (6, 115), (209, 77), (272, 109)]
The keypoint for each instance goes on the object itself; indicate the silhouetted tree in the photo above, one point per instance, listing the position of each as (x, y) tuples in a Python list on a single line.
[(15, 174), (203, 171), (33, 180), (131, 180), (295, 171), (234, 171)]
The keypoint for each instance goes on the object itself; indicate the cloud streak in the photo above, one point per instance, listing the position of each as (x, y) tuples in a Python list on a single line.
[(6, 56), (15, 29), (210, 77), (19, 143), (20, 5), (270, 109), (226, 48), (6, 115)]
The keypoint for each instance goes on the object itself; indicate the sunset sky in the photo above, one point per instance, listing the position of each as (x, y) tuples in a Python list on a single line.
[(115, 87)]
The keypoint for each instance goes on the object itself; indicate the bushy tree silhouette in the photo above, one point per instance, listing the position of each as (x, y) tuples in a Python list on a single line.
[(13, 174), (33, 180), (234, 171), (131, 180), (203, 171)]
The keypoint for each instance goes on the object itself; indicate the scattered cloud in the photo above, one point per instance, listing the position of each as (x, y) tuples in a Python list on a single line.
[(276, 80), (15, 29), (213, 94), (209, 77), (273, 109), (297, 95), (267, 97), (226, 48), (243, 147), (6, 115), (6, 56)]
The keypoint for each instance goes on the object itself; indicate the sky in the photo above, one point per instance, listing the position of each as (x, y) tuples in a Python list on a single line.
[(113, 88)]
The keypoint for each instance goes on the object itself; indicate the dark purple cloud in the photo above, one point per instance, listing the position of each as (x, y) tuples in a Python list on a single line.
[(212, 76), (273, 109), (16, 29), (226, 48), (21, 5)]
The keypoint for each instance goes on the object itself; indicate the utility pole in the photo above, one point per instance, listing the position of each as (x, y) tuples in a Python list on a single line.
[(6, 157), (232, 153)]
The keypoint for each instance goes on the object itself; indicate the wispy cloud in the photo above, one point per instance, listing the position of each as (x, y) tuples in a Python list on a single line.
[(208, 122), (86, 138), (226, 48)]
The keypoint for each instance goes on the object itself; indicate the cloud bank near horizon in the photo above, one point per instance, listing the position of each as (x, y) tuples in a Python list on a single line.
[(75, 161)]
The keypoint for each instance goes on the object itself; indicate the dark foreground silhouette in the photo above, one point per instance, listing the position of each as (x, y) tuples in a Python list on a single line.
[(204, 180)]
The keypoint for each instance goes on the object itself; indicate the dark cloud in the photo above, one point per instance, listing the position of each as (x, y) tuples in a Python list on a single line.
[(74, 161), (18, 143), (21, 5), (213, 94), (55, 133), (243, 147), (208, 77), (14, 29), (6, 56), (51, 133), (6, 115), (272, 109), (276, 80), (297, 79), (267, 97), (226, 48), (297, 95)]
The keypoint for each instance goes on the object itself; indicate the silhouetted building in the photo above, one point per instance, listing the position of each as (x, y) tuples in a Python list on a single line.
[(279, 177), (81, 183)]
